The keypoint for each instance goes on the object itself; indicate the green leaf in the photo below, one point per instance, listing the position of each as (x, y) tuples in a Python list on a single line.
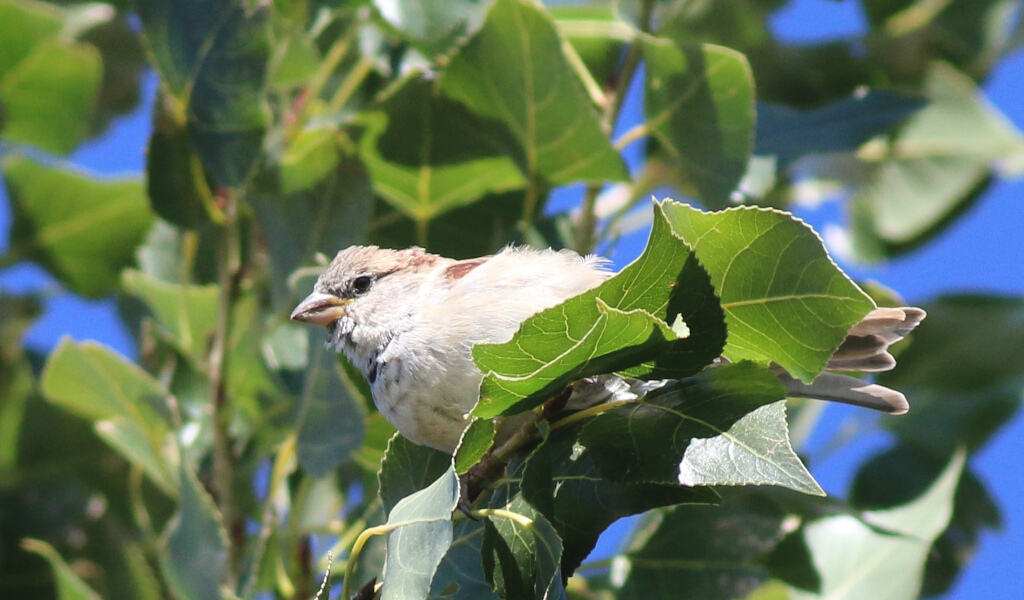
[(87, 238), (514, 71), (227, 115), (433, 26), (24, 27), (175, 183), (195, 558), (330, 425), (421, 540), (858, 561), (325, 218), (179, 33), (784, 299), (407, 469), (49, 98), (789, 133), (700, 107), (724, 426), (931, 167), (186, 313), (69, 585), (620, 325), (429, 154), (310, 158), (476, 441), (710, 551), (460, 576), (560, 478), (127, 407), (963, 373), (598, 34), (521, 551)]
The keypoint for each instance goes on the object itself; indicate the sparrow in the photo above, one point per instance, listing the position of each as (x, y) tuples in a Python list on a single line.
[(408, 320)]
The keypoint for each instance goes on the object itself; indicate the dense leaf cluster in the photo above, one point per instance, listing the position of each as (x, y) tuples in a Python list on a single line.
[(233, 453)]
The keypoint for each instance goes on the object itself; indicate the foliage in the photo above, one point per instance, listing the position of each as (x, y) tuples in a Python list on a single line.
[(234, 451)]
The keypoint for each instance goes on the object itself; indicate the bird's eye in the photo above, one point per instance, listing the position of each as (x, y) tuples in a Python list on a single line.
[(361, 284)]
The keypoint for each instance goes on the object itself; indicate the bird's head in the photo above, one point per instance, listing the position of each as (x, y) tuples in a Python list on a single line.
[(368, 288)]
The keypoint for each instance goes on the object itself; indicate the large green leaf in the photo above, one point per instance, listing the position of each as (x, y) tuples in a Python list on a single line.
[(186, 313), (69, 585), (883, 555), (128, 408), (331, 425), (179, 33), (24, 27), (622, 324), (711, 552), (784, 299), (933, 165), (429, 154), (195, 557), (49, 98), (86, 238), (513, 70), (177, 189), (724, 426), (421, 539), (227, 116), (700, 106), (561, 479)]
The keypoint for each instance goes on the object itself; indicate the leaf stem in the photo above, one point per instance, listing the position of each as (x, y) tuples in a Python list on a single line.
[(228, 276), (586, 228), (351, 83), (357, 548), (590, 412), (506, 514)]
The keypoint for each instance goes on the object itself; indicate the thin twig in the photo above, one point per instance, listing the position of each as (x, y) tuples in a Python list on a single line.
[(586, 228), (228, 275)]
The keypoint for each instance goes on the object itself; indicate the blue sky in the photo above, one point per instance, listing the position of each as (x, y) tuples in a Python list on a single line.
[(983, 251)]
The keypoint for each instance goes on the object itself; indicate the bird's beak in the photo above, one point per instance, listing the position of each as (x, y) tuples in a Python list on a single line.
[(320, 309)]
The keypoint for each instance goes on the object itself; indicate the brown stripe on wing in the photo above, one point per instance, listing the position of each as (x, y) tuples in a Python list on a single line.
[(463, 267)]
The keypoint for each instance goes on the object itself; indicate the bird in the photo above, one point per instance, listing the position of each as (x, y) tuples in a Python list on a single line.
[(408, 321)]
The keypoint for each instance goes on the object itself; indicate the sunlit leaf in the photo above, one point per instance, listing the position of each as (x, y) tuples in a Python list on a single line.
[(623, 324), (857, 561), (126, 405), (188, 313), (784, 299), (429, 154), (513, 70), (49, 98), (86, 238), (433, 26), (934, 163)]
